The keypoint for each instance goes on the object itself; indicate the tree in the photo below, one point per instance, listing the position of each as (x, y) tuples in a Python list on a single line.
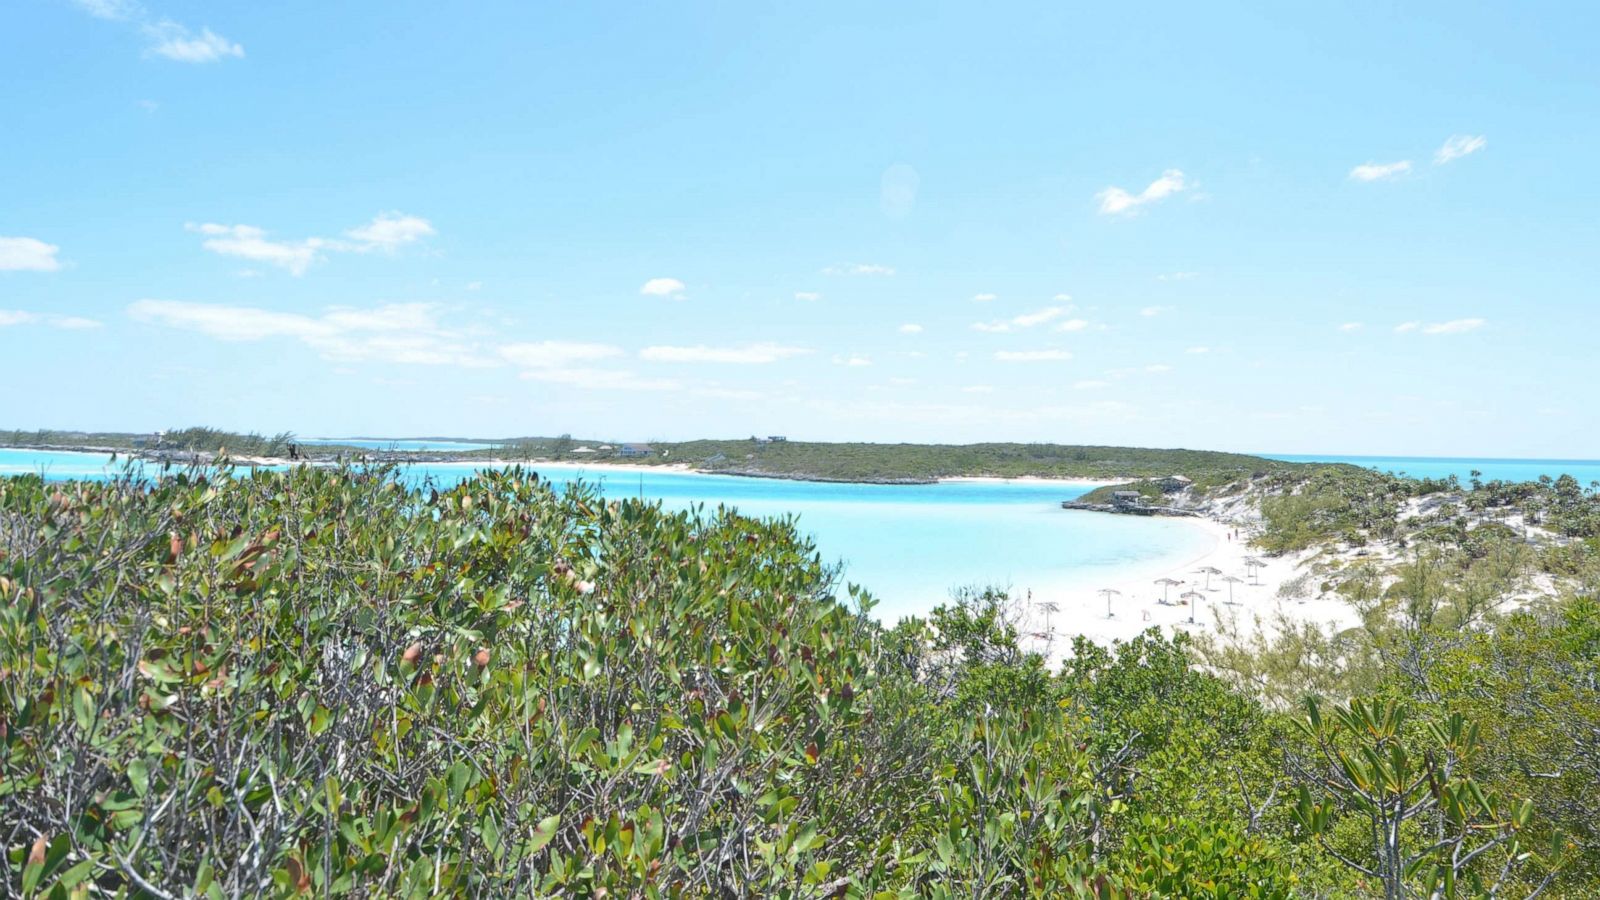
[(1429, 827)]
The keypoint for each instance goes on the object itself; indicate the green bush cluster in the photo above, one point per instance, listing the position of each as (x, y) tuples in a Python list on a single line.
[(328, 682)]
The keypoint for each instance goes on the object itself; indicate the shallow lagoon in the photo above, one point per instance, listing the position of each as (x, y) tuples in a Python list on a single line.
[(908, 544)]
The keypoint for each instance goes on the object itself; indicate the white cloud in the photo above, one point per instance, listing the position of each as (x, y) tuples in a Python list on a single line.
[(390, 230), (1157, 368), (749, 354), (1116, 201), (858, 269), (25, 254), (910, 328), (570, 363), (1038, 317), (10, 317), (1198, 350), (109, 9), (229, 323), (1351, 326), (1454, 326), (1404, 327), (1457, 146), (1031, 355), (555, 354), (1062, 298), (407, 333), (1090, 384), (601, 380), (387, 232), (167, 39), (1150, 312), (807, 296), (855, 361), (985, 298), (175, 42), (1379, 171), (1025, 320), (1073, 325), (250, 242), (74, 323), (662, 287)]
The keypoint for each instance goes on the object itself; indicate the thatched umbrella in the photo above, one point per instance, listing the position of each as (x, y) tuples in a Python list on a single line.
[(1109, 593), (1194, 598), (1167, 584), (1049, 607), (1208, 571), (1255, 565), (1232, 580)]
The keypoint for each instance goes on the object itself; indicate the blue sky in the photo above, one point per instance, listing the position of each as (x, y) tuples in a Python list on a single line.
[(1347, 227)]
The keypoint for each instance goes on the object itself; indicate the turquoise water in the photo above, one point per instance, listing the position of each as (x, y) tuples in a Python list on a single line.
[(1585, 470), (911, 544), (386, 444), (908, 544)]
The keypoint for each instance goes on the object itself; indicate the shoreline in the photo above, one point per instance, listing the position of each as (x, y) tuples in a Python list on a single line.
[(598, 466), (1079, 607), (1137, 605)]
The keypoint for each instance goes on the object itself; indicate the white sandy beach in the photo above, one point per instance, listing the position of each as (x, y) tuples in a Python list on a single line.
[(1137, 604)]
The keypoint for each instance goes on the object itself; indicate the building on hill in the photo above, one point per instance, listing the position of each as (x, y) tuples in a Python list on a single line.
[(1172, 484), (634, 451), (776, 439), (1126, 498)]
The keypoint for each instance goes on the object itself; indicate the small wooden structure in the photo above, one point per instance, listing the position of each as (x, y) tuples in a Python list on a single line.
[(1172, 484), (1127, 498)]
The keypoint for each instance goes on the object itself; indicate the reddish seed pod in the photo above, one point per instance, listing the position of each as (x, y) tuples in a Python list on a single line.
[(412, 654), (481, 658)]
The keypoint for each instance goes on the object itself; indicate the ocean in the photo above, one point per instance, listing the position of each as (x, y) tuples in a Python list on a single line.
[(394, 444), (910, 545), (1585, 470)]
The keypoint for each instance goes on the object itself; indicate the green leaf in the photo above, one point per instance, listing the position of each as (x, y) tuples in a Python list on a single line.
[(139, 776), (543, 832)]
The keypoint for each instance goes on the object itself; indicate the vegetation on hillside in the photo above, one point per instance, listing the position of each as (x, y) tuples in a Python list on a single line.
[(196, 439), (866, 462), (777, 459), (326, 681)]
